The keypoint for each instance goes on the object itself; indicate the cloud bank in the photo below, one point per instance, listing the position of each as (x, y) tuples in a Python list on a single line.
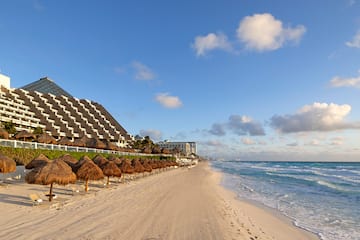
[(239, 125), (212, 41), (345, 82), (262, 32), (168, 101), (315, 117)]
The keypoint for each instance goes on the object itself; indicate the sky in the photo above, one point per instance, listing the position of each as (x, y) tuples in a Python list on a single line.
[(245, 79)]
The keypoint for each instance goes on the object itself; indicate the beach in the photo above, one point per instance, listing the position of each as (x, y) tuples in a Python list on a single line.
[(176, 204)]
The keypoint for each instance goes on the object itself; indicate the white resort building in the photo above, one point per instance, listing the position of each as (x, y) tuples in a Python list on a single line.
[(187, 148), (44, 104)]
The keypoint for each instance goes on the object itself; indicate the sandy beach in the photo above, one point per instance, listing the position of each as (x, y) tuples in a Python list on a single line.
[(176, 204)]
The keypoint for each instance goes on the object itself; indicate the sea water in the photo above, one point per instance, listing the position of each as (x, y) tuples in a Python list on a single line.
[(323, 198)]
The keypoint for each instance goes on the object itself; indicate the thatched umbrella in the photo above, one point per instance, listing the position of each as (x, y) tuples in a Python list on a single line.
[(7, 165), (146, 165), (4, 134), (126, 167), (80, 142), (100, 160), (110, 145), (46, 138), (70, 160), (138, 167), (95, 143), (37, 162), (56, 171), (110, 169), (88, 170), (65, 141), (24, 135), (115, 159)]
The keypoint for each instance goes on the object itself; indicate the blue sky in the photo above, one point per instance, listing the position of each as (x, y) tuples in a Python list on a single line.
[(245, 79)]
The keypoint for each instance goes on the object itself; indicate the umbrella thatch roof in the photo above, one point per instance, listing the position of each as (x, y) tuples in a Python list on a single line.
[(111, 169), (110, 145), (138, 167), (88, 170), (126, 167), (65, 141), (146, 165), (100, 160), (80, 142), (23, 135), (37, 162), (95, 143), (7, 165), (56, 171), (115, 159), (70, 160), (46, 138), (4, 134)]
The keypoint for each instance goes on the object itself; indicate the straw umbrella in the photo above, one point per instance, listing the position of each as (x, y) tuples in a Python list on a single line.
[(7, 165), (110, 169), (80, 142), (146, 165), (4, 134), (65, 141), (100, 160), (46, 138), (88, 170), (37, 162), (69, 160), (24, 135), (56, 171), (95, 143), (138, 167), (110, 145)]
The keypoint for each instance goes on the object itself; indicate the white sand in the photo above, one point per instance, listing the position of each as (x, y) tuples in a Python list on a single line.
[(177, 204)]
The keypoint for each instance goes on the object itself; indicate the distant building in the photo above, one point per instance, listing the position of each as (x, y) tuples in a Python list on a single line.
[(187, 148), (44, 104)]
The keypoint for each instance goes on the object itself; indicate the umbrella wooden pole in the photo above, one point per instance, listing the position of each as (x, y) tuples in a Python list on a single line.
[(51, 191), (86, 185), (108, 181)]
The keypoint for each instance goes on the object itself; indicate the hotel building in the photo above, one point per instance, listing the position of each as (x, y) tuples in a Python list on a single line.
[(46, 105), (187, 148)]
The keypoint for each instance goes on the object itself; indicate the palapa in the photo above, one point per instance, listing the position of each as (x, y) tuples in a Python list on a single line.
[(80, 142), (65, 141), (56, 171), (88, 170), (25, 135), (69, 160), (126, 167), (7, 165), (138, 167), (95, 143), (4, 134), (37, 162), (46, 138), (100, 160), (110, 169)]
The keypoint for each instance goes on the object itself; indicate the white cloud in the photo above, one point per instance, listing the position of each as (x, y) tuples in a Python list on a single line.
[(262, 32), (142, 72), (248, 141), (212, 41), (315, 117), (345, 82), (355, 42), (154, 134), (168, 101), (239, 125)]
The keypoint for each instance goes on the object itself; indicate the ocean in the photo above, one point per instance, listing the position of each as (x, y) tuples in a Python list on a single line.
[(323, 198)]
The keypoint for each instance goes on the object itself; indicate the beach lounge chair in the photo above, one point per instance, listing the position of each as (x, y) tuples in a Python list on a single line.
[(35, 199)]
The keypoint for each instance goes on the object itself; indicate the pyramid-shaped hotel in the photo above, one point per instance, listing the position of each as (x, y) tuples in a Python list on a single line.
[(46, 105)]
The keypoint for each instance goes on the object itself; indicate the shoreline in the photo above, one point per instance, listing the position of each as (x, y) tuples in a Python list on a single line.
[(273, 211), (177, 204)]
